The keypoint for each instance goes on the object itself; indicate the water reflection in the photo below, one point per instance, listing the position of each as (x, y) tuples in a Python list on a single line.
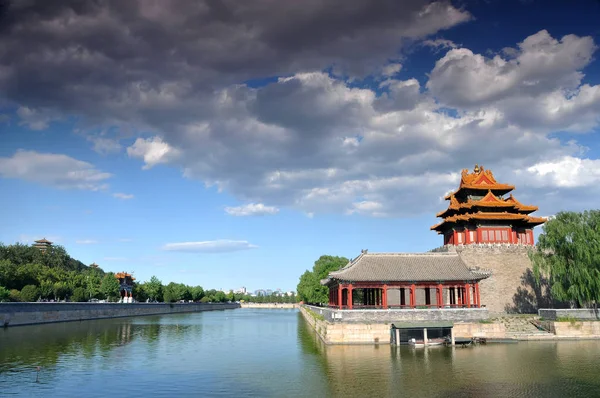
[(526, 369), (274, 353)]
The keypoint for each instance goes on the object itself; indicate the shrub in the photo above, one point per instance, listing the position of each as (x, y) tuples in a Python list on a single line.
[(30, 293)]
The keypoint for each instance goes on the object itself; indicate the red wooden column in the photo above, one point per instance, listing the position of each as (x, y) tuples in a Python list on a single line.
[(468, 295), (385, 303), (477, 294), (440, 297), (350, 296), (340, 295), (459, 296), (412, 296), (474, 295)]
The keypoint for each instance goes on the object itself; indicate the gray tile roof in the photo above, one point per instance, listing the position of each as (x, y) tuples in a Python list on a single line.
[(407, 267)]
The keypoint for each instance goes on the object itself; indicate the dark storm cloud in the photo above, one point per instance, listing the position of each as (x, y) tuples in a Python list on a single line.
[(100, 57)]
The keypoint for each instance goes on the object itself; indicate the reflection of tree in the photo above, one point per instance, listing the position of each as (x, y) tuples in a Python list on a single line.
[(44, 345), (532, 294)]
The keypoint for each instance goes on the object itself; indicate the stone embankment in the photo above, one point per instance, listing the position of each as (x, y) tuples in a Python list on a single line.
[(18, 314), (378, 332), (269, 305)]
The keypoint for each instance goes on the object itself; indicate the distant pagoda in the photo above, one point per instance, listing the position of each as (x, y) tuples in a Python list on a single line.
[(479, 213), (42, 244)]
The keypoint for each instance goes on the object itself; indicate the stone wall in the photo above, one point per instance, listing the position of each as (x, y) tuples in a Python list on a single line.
[(17, 314), (510, 288), (579, 314), (575, 329), (346, 333), (402, 315), (379, 332), (487, 330)]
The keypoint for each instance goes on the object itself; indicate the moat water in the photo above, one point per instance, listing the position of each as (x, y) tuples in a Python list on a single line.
[(273, 353)]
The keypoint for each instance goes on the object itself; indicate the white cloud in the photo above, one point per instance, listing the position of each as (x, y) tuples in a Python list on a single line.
[(153, 151), (86, 241), (566, 172), (391, 69), (55, 170), (125, 240), (35, 119), (105, 146), (211, 246), (439, 44), (251, 209), (124, 196), (542, 65)]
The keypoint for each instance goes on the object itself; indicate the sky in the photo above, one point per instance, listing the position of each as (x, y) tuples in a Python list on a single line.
[(231, 144)]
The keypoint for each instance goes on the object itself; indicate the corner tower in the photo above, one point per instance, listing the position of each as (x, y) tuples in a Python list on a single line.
[(480, 212)]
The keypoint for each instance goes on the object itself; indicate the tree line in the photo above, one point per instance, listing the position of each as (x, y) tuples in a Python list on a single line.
[(28, 274)]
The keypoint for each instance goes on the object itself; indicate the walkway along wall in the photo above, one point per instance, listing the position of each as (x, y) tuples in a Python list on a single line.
[(18, 314)]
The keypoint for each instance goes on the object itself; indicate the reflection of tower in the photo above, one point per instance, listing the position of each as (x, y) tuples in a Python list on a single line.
[(42, 244), (125, 286)]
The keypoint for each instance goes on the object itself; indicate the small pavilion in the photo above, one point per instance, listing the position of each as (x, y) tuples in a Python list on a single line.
[(405, 280), (126, 286)]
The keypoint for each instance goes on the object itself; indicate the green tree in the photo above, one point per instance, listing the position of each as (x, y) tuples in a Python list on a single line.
[(197, 293), (154, 289), (568, 253), (4, 294), (61, 290), (79, 295), (110, 287), (309, 287), (30, 293)]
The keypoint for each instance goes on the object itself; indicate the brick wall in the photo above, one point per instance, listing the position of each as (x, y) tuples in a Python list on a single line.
[(508, 289)]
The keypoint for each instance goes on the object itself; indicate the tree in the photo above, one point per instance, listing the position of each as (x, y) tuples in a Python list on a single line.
[(197, 293), (154, 289), (110, 286), (568, 252), (30, 293), (4, 294), (309, 288), (79, 295)]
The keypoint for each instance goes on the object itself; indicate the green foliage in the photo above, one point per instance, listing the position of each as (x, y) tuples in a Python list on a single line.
[(568, 251), (14, 295), (79, 295), (154, 289), (30, 293), (110, 287), (4, 294), (309, 287), (570, 319)]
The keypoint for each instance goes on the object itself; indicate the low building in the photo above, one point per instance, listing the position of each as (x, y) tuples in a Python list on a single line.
[(405, 281)]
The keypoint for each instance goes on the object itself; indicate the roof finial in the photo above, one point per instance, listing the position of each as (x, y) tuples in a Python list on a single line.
[(476, 169)]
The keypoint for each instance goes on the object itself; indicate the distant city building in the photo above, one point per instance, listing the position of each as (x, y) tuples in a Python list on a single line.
[(241, 290), (42, 244)]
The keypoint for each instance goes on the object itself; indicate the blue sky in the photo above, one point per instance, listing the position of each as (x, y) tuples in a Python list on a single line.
[(229, 156)]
